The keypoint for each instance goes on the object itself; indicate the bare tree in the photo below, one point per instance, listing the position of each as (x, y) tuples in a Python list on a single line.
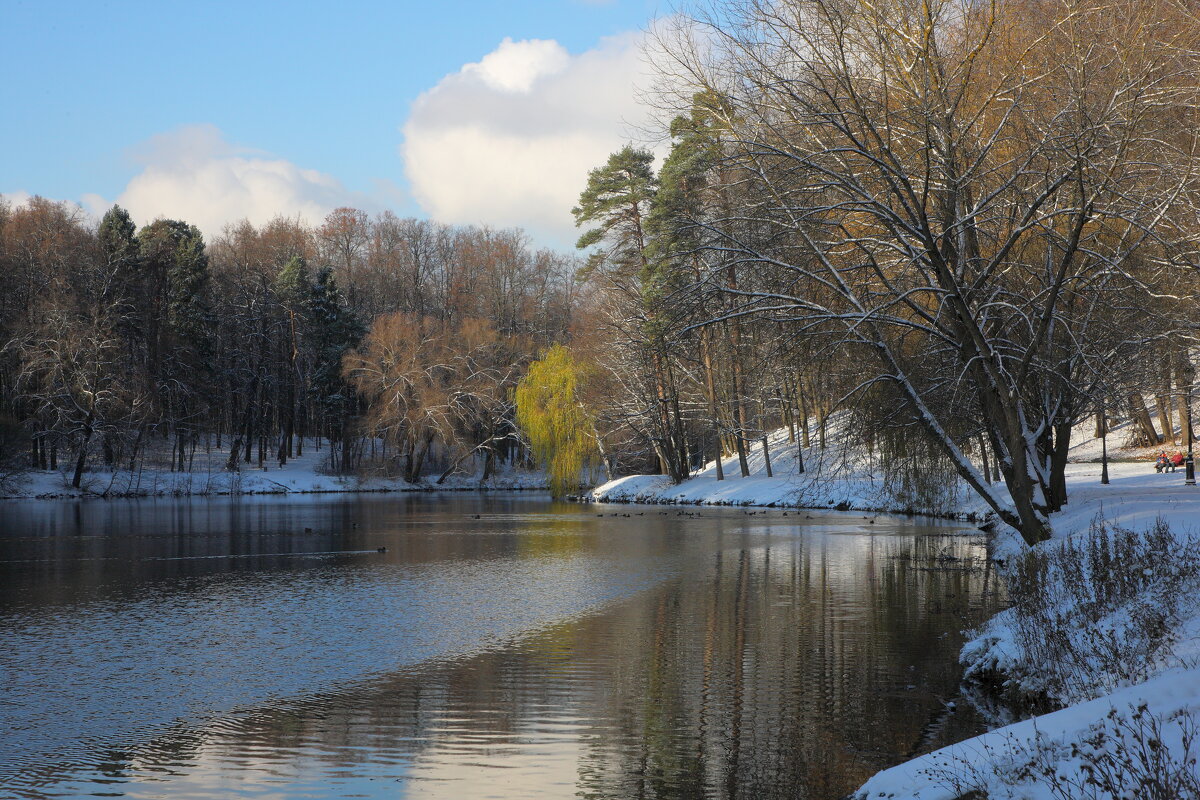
[(961, 184)]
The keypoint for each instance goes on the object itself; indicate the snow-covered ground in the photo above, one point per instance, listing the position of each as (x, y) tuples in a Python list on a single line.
[(1087, 748), (208, 476), (1135, 496), (832, 478)]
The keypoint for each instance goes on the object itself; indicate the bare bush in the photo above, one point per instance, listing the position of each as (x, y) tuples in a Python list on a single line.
[(1133, 754), (1099, 611)]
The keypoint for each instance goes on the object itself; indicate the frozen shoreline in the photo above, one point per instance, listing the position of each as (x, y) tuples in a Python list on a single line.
[(300, 475)]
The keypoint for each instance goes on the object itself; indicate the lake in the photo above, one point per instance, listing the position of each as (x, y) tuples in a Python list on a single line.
[(468, 645)]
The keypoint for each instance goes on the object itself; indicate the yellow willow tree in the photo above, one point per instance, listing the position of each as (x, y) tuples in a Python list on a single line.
[(561, 432)]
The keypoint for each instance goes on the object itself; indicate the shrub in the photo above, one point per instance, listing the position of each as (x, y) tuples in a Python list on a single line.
[(1134, 754), (1099, 610)]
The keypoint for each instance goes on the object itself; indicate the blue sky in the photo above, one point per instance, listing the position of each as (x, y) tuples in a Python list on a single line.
[(312, 94)]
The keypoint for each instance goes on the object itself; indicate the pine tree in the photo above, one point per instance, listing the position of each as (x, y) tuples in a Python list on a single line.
[(118, 243), (294, 290), (174, 266), (680, 237), (333, 330), (618, 199)]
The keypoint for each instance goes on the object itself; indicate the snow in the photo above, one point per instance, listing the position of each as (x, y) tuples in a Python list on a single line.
[(304, 474), (833, 478), (930, 777)]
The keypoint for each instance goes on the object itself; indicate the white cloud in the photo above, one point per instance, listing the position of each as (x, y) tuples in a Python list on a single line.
[(194, 174), (15, 199), (514, 66), (508, 141)]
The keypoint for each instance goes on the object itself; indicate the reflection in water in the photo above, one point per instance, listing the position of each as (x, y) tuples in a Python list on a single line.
[(538, 651)]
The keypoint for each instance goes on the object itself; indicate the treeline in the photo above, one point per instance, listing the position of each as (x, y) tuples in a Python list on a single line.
[(967, 226), (396, 340)]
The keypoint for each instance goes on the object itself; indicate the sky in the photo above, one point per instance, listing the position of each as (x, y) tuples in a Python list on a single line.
[(213, 111)]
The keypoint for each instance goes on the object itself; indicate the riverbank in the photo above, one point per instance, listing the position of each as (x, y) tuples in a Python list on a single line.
[(1112, 633), (302, 475)]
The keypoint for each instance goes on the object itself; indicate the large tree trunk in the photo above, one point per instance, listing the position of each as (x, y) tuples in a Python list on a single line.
[(1162, 404), (682, 469), (1141, 418), (1057, 496), (668, 451), (489, 460), (83, 447), (1185, 422), (418, 461), (985, 458), (1162, 400), (803, 396), (739, 410)]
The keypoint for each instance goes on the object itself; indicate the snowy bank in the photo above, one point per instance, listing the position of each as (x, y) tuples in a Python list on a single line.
[(832, 478), (1112, 632), (1043, 758), (302, 475)]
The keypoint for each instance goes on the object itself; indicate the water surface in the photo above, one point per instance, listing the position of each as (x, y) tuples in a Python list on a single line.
[(501, 646)]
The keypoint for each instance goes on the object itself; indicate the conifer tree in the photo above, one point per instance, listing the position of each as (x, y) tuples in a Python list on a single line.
[(295, 291), (618, 199), (174, 264), (118, 243), (333, 330)]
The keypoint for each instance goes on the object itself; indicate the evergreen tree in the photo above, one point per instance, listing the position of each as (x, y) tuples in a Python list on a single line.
[(293, 285), (118, 243), (618, 199), (681, 235), (333, 330), (174, 265), (295, 292)]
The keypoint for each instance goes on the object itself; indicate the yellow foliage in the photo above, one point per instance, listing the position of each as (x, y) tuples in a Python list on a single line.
[(560, 430)]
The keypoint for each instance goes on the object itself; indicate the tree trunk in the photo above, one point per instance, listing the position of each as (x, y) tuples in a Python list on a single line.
[(767, 457), (1057, 497), (83, 446), (1141, 418), (739, 432), (710, 389), (1163, 406), (1185, 424), (983, 456), (419, 459), (734, 327), (1163, 399), (803, 416), (789, 410), (489, 460)]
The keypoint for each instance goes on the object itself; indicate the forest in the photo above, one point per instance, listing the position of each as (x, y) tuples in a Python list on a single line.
[(125, 347), (960, 230), (966, 228)]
